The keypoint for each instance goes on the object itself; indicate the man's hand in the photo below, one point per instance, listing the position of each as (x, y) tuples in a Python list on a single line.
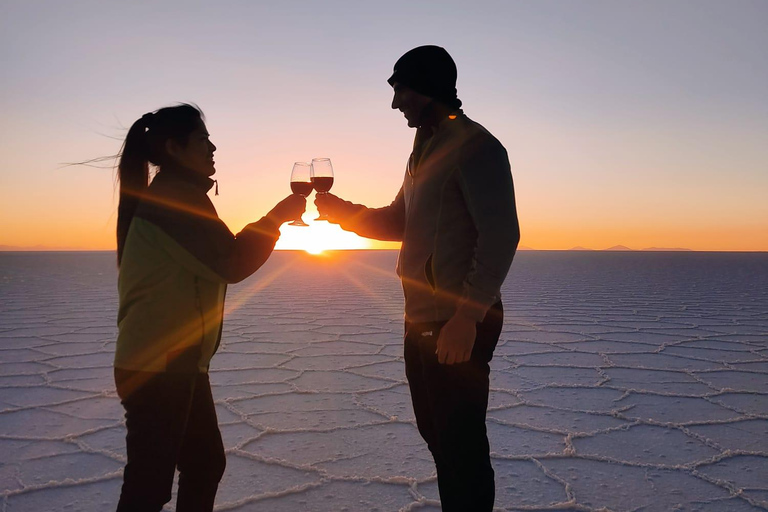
[(289, 208), (456, 339), (335, 208)]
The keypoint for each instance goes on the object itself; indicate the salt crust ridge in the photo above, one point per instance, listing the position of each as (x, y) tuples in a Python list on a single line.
[(55, 339)]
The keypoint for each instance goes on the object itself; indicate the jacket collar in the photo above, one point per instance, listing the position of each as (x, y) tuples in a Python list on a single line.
[(449, 121), (426, 132), (179, 173)]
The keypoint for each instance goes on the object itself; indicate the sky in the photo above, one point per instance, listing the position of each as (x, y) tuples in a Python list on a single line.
[(640, 123)]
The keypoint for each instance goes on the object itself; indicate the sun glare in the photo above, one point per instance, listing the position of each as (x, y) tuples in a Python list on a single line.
[(319, 237), (314, 250)]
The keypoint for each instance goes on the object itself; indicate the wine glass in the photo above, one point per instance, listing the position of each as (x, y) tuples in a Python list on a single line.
[(322, 178), (301, 183)]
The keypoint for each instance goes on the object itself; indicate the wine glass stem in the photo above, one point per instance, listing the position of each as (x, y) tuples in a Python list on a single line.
[(321, 216)]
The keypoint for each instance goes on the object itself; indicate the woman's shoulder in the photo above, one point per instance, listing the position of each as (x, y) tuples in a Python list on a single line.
[(168, 196)]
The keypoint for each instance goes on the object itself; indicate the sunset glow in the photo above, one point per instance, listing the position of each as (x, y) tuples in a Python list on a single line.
[(625, 123), (318, 237)]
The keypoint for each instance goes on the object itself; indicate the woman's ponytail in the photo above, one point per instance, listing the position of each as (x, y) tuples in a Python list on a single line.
[(133, 175), (145, 145)]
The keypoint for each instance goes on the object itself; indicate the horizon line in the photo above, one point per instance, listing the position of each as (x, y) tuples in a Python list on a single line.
[(21, 249)]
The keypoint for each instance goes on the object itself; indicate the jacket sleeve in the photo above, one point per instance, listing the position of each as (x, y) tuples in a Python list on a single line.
[(238, 256), (485, 181), (190, 219), (387, 223)]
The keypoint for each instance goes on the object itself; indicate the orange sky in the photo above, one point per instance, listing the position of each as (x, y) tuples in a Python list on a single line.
[(625, 123)]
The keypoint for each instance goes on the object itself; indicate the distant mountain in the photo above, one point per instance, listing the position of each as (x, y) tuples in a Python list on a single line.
[(525, 248), (667, 249), (580, 248), (618, 248), (17, 248)]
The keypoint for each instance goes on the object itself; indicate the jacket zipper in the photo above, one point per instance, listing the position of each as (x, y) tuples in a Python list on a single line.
[(199, 303)]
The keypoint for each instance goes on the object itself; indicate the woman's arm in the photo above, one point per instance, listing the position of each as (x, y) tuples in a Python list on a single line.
[(190, 219)]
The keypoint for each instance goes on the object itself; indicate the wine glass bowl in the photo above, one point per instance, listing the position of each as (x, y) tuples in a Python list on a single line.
[(301, 183), (322, 178)]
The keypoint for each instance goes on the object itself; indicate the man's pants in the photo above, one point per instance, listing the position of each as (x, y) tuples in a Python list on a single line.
[(450, 402), (171, 421)]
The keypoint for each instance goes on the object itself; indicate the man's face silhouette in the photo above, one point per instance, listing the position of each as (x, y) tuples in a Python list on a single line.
[(410, 103)]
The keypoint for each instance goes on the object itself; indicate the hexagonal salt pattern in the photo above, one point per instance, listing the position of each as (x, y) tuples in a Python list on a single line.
[(621, 382)]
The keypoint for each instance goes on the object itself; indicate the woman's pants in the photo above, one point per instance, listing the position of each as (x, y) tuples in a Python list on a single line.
[(171, 422)]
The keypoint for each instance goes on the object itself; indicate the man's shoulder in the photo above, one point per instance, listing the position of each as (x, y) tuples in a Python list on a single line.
[(477, 140)]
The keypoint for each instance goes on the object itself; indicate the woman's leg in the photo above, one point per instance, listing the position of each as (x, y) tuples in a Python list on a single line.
[(156, 409), (201, 459)]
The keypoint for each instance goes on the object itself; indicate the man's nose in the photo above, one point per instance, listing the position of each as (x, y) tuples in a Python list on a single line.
[(395, 102)]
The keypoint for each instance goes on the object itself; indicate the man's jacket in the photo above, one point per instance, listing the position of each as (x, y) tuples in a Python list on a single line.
[(177, 261), (456, 217)]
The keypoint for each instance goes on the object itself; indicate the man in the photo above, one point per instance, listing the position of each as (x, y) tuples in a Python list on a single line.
[(455, 215)]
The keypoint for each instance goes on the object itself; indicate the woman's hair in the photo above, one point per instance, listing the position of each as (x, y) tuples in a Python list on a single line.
[(146, 144)]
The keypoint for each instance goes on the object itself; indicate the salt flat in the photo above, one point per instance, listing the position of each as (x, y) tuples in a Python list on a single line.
[(632, 381)]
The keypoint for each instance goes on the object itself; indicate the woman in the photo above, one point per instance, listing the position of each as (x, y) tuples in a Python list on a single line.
[(175, 258)]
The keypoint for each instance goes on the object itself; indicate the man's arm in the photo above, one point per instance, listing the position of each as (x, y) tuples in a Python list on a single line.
[(486, 183), (387, 223)]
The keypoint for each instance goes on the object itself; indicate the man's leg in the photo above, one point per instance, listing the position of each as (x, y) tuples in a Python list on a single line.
[(458, 397), (201, 459), (417, 383), (156, 408)]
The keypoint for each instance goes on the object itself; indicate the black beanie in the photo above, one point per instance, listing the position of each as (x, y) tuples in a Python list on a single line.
[(428, 70)]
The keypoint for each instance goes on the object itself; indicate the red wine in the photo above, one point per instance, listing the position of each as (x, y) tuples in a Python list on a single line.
[(303, 188), (322, 183)]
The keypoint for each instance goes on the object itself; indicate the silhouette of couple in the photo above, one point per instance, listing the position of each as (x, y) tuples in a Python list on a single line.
[(455, 216)]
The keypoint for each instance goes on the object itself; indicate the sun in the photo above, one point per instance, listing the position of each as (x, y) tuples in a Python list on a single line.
[(315, 249), (319, 237)]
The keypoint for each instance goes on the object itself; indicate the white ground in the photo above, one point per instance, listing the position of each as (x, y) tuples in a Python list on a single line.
[(636, 395)]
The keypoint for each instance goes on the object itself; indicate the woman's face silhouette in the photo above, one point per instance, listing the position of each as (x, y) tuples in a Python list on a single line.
[(197, 155), (410, 103)]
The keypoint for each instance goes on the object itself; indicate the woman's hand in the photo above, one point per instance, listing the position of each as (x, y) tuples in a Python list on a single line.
[(288, 209)]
